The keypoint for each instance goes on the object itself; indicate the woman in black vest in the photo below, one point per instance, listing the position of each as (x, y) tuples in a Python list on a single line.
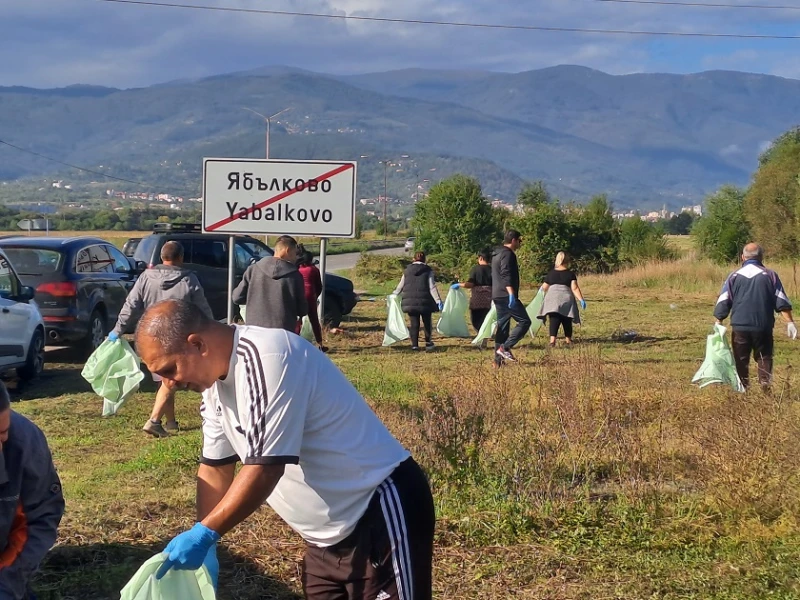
[(420, 299)]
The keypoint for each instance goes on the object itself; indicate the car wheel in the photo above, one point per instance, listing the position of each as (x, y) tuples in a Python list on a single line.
[(333, 312), (34, 364), (97, 331)]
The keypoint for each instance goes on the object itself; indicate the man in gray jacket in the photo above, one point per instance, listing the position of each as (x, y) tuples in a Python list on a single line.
[(31, 502), (167, 281), (273, 289)]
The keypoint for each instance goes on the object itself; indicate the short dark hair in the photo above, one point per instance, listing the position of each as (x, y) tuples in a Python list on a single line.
[(419, 257), (171, 251), (287, 242), (485, 254), (511, 235), (5, 399), (171, 322)]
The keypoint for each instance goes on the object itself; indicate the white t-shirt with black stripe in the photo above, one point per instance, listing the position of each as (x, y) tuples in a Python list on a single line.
[(285, 402)]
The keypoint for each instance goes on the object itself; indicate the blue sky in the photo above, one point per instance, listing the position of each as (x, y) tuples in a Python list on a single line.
[(49, 43)]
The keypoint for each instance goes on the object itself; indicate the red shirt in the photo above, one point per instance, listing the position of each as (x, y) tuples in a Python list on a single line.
[(312, 281)]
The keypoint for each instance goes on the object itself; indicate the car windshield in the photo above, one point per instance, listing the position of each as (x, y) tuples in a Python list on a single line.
[(256, 250), (34, 261)]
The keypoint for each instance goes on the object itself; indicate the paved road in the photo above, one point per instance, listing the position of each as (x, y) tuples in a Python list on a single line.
[(348, 261)]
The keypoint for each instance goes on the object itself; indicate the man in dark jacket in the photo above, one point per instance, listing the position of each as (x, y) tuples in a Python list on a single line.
[(31, 502), (505, 295), (752, 295), (167, 281), (273, 289)]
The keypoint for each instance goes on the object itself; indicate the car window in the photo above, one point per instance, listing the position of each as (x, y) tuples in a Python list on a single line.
[(9, 285), (94, 259), (144, 251), (34, 261), (242, 258), (121, 264), (209, 253), (255, 249)]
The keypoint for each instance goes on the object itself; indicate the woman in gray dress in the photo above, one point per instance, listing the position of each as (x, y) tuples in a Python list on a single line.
[(561, 300)]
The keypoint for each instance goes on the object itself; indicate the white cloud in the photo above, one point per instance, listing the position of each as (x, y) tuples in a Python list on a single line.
[(59, 42), (730, 150)]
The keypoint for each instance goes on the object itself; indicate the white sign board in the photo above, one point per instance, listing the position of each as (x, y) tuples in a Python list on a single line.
[(272, 197)]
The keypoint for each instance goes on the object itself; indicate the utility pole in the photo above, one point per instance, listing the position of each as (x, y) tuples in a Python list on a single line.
[(385, 199)]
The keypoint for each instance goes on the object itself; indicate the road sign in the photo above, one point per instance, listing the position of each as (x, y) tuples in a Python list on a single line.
[(271, 197)]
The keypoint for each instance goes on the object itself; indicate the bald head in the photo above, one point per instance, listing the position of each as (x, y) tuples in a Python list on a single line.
[(753, 251), (170, 323), (189, 350)]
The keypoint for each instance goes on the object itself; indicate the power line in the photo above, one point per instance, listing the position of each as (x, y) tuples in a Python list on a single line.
[(702, 4), (287, 13), (106, 175)]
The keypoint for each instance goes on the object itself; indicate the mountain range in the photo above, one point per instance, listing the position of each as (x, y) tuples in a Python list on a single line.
[(643, 139)]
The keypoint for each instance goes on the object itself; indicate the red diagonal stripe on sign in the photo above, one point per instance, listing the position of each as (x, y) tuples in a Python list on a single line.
[(278, 198)]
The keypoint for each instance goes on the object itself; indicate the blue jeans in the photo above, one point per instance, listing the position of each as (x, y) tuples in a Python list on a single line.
[(504, 316)]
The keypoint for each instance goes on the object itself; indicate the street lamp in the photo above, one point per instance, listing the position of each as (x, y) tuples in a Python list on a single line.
[(267, 119)]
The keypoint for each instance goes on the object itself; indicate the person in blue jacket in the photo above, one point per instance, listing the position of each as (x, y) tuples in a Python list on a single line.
[(31, 502)]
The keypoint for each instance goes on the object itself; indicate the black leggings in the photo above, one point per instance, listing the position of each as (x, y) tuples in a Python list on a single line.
[(557, 320), (478, 316), (413, 328)]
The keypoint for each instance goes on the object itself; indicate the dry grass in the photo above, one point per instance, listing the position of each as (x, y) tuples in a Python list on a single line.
[(598, 472)]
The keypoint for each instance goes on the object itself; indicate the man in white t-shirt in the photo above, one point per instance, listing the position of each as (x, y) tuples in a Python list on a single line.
[(311, 447)]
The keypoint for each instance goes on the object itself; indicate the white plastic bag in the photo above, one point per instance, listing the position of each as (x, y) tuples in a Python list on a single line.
[(175, 585), (306, 331), (533, 312), (718, 366), (488, 328), (396, 329), (114, 374), (453, 322)]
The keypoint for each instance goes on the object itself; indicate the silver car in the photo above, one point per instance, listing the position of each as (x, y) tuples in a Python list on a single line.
[(409, 245)]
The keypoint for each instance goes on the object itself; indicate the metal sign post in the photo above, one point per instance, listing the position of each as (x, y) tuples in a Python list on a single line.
[(310, 198), (323, 264)]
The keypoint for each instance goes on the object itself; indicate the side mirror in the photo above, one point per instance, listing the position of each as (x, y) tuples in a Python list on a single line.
[(139, 266), (26, 293)]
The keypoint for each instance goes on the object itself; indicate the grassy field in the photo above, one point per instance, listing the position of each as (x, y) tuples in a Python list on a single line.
[(369, 240), (597, 472)]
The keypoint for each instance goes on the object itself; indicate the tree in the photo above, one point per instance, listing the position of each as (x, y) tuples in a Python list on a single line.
[(533, 195), (455, 221), (722, 232), (772, 204), (595, 236)]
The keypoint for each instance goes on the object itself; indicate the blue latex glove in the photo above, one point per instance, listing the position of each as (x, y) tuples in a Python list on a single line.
[(113, 337), (441, 306), (511, 300), (583, 304), (455, 286), (189, 550)]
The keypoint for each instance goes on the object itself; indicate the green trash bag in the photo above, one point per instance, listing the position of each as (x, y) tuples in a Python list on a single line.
[(718, 366), (243, 313), (487, 329), (396, 329), (175, 585), (453, 322), (307, 331), (114, 374), (533, 312)]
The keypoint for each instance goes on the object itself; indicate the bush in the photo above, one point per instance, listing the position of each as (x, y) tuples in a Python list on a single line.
[(722, 232), (641, 242), (380, 268)]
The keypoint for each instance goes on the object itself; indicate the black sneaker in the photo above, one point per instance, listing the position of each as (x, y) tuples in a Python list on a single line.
[(415, 348), (429, 347), (505, 354)]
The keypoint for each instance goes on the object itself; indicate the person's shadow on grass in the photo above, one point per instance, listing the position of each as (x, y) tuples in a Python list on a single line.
[(100, 571)]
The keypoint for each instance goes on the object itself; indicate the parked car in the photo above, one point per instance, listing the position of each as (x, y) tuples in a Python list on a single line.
[(409, 245), (21, 325), (81, 284), (207, 255), (129, 248)]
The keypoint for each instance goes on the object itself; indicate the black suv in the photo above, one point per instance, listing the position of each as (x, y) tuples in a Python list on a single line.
[(207, 255), (81, 284)]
